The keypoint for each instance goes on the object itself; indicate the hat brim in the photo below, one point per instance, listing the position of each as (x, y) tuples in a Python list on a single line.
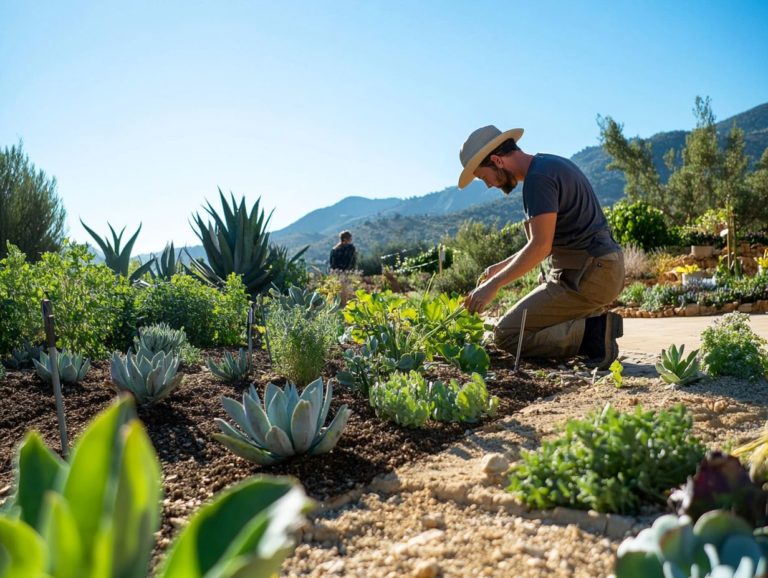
[(468, 174)]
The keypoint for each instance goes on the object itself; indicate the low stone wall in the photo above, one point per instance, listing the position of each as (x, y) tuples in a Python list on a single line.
[(694, 310)]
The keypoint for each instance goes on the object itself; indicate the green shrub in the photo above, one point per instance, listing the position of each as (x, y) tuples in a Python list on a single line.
[(633, 294), (409, 400), (730, 347), (97, 515), (300, 342), (20, 317), (475, 247), (92, 306), (610, 462), (208, 316), (638, 224)]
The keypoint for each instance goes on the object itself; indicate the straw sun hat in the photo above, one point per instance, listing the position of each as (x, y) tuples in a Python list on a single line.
[(478, 146)]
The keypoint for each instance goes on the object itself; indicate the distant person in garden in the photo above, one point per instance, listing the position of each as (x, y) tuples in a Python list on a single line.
[(343, 255), (566, 312)]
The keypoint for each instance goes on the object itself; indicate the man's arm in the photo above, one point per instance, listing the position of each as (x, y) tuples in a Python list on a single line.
[(541, 233)]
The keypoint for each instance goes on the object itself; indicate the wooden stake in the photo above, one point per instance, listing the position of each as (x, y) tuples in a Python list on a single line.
[(520, 339), (53, 357)]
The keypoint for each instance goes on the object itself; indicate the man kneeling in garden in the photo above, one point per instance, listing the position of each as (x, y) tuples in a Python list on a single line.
[(564, 220)]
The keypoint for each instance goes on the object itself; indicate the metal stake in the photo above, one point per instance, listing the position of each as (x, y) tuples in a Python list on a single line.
[(520, 339), (53, 357), (250, 336)]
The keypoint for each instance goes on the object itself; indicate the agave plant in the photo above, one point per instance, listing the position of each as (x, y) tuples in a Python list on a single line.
[(72, 367), (24, 356), (166, 265), (237, 243), (116, 259), (149, 377), (286, 424), (310, 301), (231, 369), (676, 369), (160, 337), (720, 544)]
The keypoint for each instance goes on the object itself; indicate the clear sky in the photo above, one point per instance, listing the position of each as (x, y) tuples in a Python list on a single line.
[(142, 109)]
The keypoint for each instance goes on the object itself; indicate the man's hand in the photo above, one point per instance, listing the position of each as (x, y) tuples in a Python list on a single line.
[(476, 301)]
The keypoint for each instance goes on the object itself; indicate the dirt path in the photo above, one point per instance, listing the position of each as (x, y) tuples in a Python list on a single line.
[(449, 515)]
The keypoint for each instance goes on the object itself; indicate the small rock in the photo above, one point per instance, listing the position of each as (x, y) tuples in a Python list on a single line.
[(433, 521), (426, 569), (494, 464), (5, 489)]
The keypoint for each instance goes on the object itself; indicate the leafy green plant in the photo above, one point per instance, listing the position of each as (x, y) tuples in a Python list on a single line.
[(609, 462), (638, 224), (93, 307), (116, 259), (97, 514), (674, 368), (730, 347), (402, 399), (633, 294), (285, 425), (160, 337), (300, 341), (207, 315), (231, 369), (721, 483), (409, 400), (719, 545), (470, 359), (310, 301), (365, 366), (72, 367), (2, 372), (149, 377)]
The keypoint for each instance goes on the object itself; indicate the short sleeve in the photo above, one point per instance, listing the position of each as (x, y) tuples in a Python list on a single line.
[(540, 195)]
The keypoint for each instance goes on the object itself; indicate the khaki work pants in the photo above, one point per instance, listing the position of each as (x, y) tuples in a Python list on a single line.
[(577, 287)]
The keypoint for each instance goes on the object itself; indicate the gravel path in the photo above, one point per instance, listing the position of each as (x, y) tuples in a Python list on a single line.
[(450, 516)]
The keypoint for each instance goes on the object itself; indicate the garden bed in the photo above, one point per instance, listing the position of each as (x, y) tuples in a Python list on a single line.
[(195, 466)]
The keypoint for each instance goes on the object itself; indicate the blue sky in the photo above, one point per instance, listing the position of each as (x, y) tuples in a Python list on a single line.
[(142, 109)]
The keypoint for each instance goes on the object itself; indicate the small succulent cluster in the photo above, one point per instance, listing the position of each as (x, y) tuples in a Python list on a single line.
[(284, 425), (160, 337), (309, 301), (231, 369), (23, 356), (149, 376), (677, 369), (72, 367), (720, 544)]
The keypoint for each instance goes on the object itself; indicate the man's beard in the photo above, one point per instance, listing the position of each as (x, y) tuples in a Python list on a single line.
[(507, 181)]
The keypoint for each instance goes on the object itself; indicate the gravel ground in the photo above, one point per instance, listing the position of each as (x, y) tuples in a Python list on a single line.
[(449, 515)]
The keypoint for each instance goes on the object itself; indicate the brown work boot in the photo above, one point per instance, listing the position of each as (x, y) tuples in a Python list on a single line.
[(599, 343)]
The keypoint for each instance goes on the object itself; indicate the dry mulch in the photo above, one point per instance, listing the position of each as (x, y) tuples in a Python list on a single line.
[(195, 465)]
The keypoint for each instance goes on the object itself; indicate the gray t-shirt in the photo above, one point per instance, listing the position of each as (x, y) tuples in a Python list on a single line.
[(556, 185)]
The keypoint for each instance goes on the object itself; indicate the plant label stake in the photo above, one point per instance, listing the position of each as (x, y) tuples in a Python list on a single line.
[(520, 339), (53, 356), (250, 336)]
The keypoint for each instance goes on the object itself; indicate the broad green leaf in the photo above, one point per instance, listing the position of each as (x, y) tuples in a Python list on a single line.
[(252, 518), (39, 468), (137, 504), (94, 462), (22, 550), (62, 539)]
